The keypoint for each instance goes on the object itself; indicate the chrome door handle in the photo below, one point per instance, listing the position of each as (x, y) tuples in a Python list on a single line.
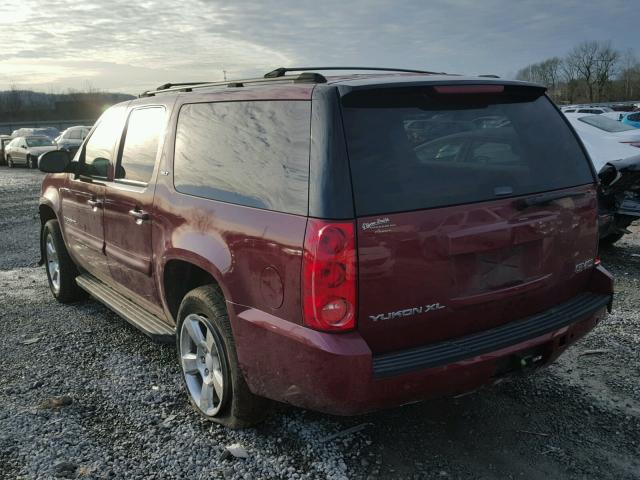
[(95, 204), (139, 215)]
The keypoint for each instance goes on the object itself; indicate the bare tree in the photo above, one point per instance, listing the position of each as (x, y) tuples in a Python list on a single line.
[(630, 75), (607, 60), (583, 60), (591, 71), (595, 64), (546, 73)]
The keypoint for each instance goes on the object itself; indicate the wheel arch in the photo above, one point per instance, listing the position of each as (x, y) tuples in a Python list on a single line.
[(181, 273), (46, 213)]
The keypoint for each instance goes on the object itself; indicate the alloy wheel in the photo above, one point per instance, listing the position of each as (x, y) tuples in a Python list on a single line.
[(202, 364), (53, 264)]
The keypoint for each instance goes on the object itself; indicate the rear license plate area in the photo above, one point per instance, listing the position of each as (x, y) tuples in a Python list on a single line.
[(521, 362)]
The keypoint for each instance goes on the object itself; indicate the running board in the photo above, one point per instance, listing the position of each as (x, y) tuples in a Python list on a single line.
[(144, 321)]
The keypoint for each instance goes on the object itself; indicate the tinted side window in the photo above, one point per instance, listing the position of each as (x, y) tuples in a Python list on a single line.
[(141, 144), (99, 149), (73, 135), (249, 153)]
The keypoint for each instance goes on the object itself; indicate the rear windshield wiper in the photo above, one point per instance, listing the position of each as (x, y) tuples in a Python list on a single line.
[(545, 198)]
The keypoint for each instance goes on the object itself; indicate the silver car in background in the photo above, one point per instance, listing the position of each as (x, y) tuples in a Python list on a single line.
[(26, 150)]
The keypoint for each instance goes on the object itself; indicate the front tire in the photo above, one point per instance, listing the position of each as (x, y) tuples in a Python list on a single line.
[(207, 355), (61, 271), (32, 162), (10, 161)]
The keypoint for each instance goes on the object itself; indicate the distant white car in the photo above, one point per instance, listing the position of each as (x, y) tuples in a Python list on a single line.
[(72, 138), (606, 139), (593, 110)]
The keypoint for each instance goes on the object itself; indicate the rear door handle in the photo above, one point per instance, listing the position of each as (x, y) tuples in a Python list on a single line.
[(95, 204), (139, 215)]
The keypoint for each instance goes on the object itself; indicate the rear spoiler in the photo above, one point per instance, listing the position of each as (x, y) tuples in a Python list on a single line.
[(457, 82)]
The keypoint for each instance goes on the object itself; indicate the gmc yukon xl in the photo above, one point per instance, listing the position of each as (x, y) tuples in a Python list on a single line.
[(341, 243)]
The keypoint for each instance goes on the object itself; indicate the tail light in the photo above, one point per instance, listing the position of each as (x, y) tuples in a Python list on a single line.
[(329, 276), (633, 144)]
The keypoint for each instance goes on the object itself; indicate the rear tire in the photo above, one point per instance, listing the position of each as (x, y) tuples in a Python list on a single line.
[(10, 161), (610, 239), (32, 162), (207, 354), (61, 271)]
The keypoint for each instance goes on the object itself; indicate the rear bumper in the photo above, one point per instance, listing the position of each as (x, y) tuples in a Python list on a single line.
[(338, 374)]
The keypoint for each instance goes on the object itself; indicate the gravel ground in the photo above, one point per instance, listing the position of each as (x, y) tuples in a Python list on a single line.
[(84, 395)]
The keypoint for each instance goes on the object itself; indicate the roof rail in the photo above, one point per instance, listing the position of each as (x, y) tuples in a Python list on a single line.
[(189, 86), (280, 72)]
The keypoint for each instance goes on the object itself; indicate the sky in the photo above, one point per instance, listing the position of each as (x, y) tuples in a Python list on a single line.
[(131, 45)]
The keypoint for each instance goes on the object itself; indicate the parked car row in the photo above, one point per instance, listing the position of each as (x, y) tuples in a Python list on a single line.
[(596, 110), (23, 153)]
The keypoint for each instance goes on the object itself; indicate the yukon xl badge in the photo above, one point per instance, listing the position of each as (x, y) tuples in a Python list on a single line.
[(407, 312)]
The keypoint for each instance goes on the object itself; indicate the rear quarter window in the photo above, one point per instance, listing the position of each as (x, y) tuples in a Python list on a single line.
[(412, 149), (249, 153)]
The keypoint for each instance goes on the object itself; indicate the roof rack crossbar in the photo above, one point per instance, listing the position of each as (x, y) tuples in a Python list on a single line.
[(189, 86), (280, 72)]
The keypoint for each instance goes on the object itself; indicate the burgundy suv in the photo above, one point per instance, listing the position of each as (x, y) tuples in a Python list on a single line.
[(342, 243)]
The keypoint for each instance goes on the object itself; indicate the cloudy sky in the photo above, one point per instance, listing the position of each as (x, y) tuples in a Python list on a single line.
[(132, 45)]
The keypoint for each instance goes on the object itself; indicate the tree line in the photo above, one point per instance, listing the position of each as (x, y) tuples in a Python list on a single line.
[(26, 105), (591, 72)]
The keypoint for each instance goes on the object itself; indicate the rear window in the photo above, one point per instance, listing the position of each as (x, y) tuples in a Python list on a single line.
[(414, 149), (249, 153), (605, 123)]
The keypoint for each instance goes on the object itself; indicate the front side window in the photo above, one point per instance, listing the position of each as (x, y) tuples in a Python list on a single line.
[(141, 144), (98, 152), (249, 153)]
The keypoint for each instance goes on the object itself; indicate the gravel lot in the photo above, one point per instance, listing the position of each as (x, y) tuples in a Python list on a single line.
[(84, 395)]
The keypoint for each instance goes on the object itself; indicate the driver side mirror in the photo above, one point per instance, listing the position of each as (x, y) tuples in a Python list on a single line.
[(56, 161)]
